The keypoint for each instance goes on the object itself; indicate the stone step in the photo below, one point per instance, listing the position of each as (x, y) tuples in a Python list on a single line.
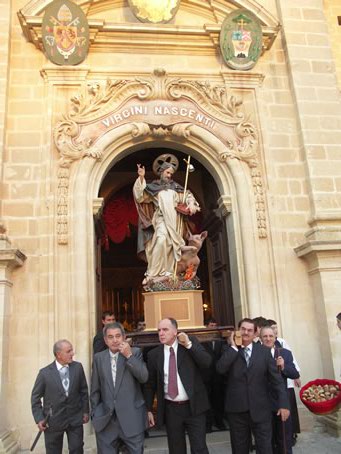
[(218, 441)]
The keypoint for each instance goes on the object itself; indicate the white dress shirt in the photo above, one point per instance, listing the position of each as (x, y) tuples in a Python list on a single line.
[(182, 395)]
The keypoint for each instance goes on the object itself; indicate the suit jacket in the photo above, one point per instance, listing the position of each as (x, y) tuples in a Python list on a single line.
[(125, 399), (98, 343), (189, 361), (248, 388), (66, 410), (210, 375)]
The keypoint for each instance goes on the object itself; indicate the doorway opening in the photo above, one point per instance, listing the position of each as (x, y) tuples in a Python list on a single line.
[(119, 272)]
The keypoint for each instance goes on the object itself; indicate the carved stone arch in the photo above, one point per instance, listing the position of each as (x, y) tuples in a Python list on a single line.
[(232, 178)]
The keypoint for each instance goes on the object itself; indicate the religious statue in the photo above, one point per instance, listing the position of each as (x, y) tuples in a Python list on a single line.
[(161, 206)]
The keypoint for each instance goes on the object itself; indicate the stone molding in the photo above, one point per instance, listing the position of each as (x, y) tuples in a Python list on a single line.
[(8, 442), (77, 135)]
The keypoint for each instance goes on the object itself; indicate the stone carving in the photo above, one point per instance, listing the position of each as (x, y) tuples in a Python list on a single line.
[(158, 106), (143, 129), (64, 132)]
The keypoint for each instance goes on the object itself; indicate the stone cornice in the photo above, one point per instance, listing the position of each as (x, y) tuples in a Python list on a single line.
[(97, 206), (11, 258), (129, 38), (68, 75), (316, 246), (224, 206), (242, 79), (106, 36)]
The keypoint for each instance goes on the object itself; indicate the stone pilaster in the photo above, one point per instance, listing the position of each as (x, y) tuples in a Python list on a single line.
[(323, 258), (9, 259)]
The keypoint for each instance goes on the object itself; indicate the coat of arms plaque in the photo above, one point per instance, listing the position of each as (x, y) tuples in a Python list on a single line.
[(65, 33), (241, 39), (154, 11)]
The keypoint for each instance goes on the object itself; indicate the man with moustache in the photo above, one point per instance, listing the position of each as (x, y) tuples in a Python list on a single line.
[(118, 410), (250, 373), (175, 377), (63, 389)]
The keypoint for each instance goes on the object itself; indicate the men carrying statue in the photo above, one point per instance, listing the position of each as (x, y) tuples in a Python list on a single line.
[(161, 240)]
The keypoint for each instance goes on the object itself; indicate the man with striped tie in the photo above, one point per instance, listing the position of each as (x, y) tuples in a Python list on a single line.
[(250, 373), (118, 410), (63, 389)]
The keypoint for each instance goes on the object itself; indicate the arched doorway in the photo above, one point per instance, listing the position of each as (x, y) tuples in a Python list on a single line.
[(120, 272)]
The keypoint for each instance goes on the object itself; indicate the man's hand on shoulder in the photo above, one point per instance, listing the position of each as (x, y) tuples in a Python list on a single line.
[(184, 340)]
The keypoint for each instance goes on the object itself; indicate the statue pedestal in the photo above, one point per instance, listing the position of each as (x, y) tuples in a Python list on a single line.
[(185, 306)]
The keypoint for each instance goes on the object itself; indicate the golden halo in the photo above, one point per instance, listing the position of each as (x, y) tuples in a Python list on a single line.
[(165, 158)]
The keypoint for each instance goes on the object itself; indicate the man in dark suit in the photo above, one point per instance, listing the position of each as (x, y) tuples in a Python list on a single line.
[(286, 368), (214, 382), (63, 388), (98, 343), (250, 373), (175, 377), (118, 409)]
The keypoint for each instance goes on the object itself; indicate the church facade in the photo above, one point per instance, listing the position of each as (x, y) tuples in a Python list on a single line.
[(266, 142)]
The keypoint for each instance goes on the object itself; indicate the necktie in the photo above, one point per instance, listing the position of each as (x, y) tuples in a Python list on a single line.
[(114, 368), (64, 375), (247, 354), (172, 375)]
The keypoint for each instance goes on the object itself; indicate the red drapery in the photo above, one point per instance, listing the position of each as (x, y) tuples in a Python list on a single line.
[(118, 215)]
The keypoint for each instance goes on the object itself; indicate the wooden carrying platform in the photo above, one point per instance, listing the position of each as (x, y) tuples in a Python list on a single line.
[(183, 305)]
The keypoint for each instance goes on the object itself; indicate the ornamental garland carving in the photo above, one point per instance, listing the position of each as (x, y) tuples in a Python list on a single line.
[(158, 106)]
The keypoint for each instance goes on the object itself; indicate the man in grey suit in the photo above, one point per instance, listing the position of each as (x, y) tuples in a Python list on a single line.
[(63, 388), (118, 410)]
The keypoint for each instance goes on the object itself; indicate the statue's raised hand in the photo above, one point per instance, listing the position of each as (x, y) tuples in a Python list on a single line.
[(141, 171)]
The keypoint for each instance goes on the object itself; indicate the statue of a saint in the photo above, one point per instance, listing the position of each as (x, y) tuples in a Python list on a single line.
[(161, 232)]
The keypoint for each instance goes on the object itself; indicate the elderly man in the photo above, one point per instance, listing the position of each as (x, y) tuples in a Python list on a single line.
[(286, 367), (161, 241), (250, 373), (174, 375), (62, 387), (118, 410)]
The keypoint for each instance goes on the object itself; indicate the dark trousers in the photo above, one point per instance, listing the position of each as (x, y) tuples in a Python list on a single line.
[(215, 415), (294, 411), (54, 440), (281, 435), (241, 427), (178, 420), (109, 440)]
